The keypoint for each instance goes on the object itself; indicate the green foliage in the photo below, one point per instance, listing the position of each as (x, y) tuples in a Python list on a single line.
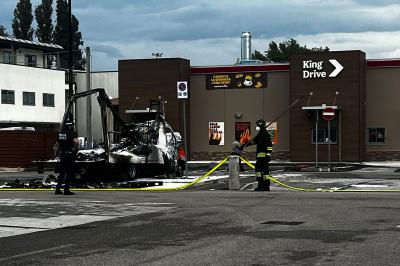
[(280, 52), (257, 55), (61, 36), (3, 31), (79, 62), (22, 21), (43, 13)]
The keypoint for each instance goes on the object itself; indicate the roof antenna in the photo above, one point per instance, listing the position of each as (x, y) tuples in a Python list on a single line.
[(309, 97), (334, 101), (134, 102)]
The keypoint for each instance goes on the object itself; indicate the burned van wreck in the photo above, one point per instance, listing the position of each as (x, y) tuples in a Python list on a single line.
[(150, 148)]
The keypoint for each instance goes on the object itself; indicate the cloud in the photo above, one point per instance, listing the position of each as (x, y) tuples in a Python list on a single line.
[(225, 51), (208, 31), (106, 49), (205, 19)]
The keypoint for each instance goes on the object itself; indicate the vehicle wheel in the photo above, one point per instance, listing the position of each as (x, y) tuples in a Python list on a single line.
[(167, 166), (179, 170), (131, 172), (40, 169)]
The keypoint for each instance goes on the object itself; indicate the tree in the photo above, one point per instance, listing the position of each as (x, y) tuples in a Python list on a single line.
[(280, 52), (22, 21), (60, 36), (3, 31), (43, 13), (78, 61)]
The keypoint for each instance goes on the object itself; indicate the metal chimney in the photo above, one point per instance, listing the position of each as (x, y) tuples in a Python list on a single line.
[(246, 46)]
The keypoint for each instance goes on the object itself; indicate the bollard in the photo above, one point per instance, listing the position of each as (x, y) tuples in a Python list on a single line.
[(233, 172)]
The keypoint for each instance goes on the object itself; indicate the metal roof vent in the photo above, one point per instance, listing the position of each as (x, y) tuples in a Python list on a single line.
[(246, 46)]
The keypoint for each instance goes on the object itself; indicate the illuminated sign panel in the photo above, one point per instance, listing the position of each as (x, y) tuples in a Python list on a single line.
[(250, 80)]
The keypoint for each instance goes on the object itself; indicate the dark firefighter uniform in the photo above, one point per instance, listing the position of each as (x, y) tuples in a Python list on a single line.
[(263, 156), (67, 145)]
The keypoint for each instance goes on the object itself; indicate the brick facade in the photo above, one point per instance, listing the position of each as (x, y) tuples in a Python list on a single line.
[(383, 156), (218, 156)]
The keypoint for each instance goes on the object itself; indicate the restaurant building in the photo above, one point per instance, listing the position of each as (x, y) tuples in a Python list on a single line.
[(360, 97)]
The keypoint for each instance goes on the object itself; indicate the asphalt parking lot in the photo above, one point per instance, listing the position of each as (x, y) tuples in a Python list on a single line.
[(355, 178), (208, 224)]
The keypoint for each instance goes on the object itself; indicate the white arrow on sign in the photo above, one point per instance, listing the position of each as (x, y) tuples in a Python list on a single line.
[(338, 68)]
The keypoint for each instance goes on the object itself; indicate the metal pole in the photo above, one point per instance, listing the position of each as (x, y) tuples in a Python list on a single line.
[(329, 145), (340, 136), (88, 100), (316, 138), (70, 71), (184, 136)]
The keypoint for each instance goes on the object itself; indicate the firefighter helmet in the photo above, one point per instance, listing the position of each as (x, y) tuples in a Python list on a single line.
[(260, 123)]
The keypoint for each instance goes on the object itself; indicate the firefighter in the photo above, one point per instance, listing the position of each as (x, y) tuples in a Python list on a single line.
[(67, 143), (263, 155)]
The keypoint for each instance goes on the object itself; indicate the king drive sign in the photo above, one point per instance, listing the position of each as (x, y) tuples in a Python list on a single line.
[(315, 69)]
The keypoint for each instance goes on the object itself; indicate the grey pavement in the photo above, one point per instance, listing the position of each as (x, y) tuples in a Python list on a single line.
[(205, 227), (378, 177)]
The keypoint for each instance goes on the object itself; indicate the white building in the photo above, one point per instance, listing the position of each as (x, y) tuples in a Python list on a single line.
[(32, 92)]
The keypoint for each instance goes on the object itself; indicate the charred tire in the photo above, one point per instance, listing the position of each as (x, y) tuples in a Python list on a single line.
[(40, 169), (167, 166), (131, 172), (179, 171)]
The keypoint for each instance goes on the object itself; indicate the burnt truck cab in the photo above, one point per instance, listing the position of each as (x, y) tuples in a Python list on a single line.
[(148, 148), (151, 148)]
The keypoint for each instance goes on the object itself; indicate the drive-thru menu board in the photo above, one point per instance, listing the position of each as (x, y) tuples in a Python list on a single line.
[(246, 80)]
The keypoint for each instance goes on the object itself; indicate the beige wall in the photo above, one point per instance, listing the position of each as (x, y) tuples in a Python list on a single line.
[(106, 80), (276, 101), (221, 105), (383, 94)]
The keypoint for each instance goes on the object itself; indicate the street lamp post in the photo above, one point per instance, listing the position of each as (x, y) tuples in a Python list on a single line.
[(70, 71)]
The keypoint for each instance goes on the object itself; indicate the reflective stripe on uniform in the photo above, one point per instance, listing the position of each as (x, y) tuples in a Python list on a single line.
[(269, 148), (258, 174), (266, 177), (263, 154)]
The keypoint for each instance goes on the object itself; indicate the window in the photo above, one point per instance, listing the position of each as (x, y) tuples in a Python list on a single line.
[(7, 57), (30, 60), (376, 135), (28, 98), (48, 99), (7, 97), (323, 135)]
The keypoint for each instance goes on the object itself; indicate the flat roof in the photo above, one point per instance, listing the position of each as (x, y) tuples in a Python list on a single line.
[(140, 111), (320, 107), (30, 44), (266, 67)]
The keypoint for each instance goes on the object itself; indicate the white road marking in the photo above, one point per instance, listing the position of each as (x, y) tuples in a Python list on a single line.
[(367, 185), (247, 185), (46, 215)]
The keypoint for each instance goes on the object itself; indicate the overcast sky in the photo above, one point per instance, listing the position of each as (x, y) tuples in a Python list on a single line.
[(208, 31)]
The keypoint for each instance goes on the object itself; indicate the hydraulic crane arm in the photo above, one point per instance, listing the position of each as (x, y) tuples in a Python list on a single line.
[(102, 98)]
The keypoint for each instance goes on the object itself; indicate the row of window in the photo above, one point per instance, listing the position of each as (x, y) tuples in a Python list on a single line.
[(28, 98), (30, 60), (375, 135)]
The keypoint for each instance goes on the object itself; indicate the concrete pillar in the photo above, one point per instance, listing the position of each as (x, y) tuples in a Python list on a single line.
[(233, 172)]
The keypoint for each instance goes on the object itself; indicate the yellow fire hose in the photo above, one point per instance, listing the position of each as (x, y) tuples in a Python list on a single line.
[(320, 190), (197, 180), (129, 189)]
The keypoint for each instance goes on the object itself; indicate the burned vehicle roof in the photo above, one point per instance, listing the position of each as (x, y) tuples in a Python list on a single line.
[(140, 140)]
